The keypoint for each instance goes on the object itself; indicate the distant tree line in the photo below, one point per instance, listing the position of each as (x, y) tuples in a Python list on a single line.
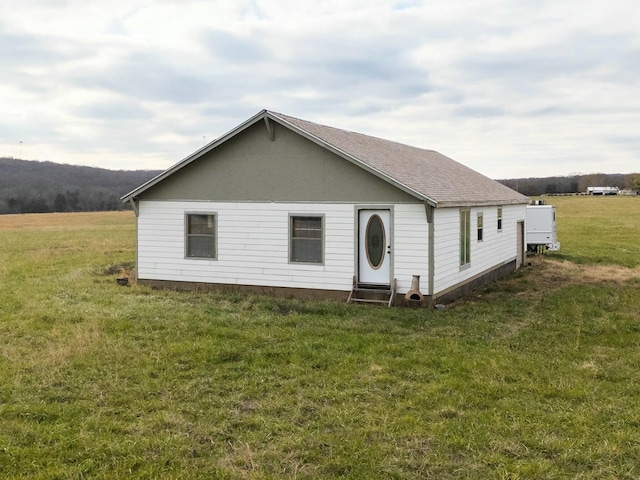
[(91, 199), (572, 184), (42, 187)]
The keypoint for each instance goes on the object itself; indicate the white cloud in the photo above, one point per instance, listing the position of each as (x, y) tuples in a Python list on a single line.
[(537, 87)]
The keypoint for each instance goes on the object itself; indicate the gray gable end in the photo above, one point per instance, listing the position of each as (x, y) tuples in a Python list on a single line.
[(267, 159), (290, 168)]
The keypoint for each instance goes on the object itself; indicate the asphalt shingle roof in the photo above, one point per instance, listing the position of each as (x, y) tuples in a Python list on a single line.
[(427, 172)]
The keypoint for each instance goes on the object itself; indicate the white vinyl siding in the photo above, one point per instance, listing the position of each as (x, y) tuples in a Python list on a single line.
[(410, 246), (253, 244), (496, 249)]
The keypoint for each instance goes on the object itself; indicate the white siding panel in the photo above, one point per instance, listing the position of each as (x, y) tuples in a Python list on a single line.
[(411, 246), (252, 245), (497, 248)]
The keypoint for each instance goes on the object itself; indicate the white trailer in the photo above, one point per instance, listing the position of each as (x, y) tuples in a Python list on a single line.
[(541, 228), (603, 190)]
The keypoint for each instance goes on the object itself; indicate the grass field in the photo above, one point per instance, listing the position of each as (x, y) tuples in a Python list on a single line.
[(536, 376), (604, 230)]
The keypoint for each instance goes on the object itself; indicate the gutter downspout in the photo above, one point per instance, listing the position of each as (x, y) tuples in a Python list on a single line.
[(430, 210)]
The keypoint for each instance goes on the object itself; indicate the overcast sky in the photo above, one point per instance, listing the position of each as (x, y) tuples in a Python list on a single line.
[(511, 88)]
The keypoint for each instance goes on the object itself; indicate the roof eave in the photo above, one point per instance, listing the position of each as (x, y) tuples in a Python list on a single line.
[(484, 203)]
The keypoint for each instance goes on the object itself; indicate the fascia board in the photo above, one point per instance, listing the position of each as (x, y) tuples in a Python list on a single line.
[(482, 203)]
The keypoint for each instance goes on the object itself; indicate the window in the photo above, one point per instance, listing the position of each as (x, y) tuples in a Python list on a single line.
[(465, 237), (201, 235), (480, 226), (499, 219), (305, 239)]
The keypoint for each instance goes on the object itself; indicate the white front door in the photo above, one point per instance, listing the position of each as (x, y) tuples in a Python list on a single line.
[(374, 247)]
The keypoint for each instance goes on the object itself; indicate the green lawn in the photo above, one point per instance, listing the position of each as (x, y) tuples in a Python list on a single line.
[(603, 230), (534, 377)]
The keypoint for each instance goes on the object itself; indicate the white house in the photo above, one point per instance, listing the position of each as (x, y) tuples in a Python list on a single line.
[(285, 206)]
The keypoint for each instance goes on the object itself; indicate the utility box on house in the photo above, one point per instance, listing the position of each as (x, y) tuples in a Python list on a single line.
[(541, 228)]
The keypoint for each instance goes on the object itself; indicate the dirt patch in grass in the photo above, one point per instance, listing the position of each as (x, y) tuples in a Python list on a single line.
[(125, 269), (554, 272), (542, 275), (578, 273)]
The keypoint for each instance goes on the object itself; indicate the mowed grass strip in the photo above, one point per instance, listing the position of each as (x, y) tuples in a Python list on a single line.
[(533, 377)]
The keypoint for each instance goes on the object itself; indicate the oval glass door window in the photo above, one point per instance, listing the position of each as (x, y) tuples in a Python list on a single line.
[(375, 241)]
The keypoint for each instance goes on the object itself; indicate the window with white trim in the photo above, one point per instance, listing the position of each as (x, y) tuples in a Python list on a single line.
[(480, 226), (306, 239), (200, 235), (499, 219), (465, 237)]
